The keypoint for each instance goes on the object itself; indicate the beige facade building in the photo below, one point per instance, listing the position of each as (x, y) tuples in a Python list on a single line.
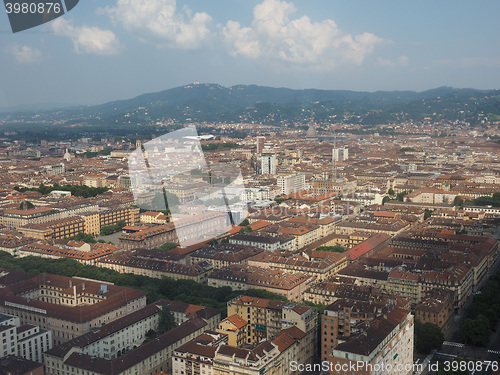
[(69, 307)]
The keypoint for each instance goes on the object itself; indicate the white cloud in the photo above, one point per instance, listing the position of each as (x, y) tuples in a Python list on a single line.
[(24, 54), (401, 61), (160, 21), (273, 35), (88, 39)]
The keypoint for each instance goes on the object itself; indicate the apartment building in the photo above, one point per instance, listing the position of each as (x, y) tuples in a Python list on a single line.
[(11, 365), (68, 306), (131, 261), (265, 241), (266, 318), (292, 286), (154, 217), (95, 180), (11, 243), (110, 340), (207, 354), (405, 284), (236, 329), (149, 238), (328, 292), (185, 311), (225, 254), (25, 341), (292, 183), (82, 252), (459, 279), (61, 228), (151, 357), (390, 227), (373, 335), (437, 309), (321, 268), (197, 356)]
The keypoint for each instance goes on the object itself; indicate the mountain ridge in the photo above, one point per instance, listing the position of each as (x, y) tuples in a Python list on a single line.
[(209, 102)]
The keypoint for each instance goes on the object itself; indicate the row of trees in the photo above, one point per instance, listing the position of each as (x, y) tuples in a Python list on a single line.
[(494, 200), (333, 249), (218, 146), (108, 229), (483, 315), (76, 190), (396, 197)]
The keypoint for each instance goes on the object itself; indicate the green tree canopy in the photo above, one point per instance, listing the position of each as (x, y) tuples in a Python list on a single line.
[(167, 320), (428, 336), (85, 237), (333, 249)]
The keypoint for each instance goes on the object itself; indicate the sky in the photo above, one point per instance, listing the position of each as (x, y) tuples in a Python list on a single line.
[(104, 50)]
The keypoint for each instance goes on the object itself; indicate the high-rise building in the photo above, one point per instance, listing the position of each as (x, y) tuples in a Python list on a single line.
[(260, 144), (268, 162), (340, 154), (367, 335)]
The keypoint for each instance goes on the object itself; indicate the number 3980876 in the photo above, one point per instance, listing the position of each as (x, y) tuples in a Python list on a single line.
[(32, 8)]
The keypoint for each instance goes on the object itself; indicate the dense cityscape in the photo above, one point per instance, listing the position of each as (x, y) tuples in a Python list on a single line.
[(252, 248)]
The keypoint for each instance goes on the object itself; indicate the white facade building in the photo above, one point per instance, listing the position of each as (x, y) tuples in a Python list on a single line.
[(26, 341), (268, 163), (340, 154), (292, 183)]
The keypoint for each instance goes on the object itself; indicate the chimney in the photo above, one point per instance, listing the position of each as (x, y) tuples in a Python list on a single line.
[(83, 286), (74, 293), (70, 283)]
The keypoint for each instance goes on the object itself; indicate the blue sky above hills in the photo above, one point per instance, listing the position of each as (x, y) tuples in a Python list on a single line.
[(117, 49)]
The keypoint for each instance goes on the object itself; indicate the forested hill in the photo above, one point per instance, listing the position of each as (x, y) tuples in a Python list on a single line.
[(278, 106)]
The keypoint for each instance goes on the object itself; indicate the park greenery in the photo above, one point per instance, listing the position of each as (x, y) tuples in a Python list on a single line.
[(167, 320), (333, 249), (392, 196), (218, 146), (26, 205), (246, 229), (85, 237), (165, 199), (90, 155), (428, 336), (483, 314), (167, 246), (76, 190), (494, 200), (108, 229)]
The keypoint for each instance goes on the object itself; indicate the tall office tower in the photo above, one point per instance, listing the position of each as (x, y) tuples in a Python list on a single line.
[(340, 154), (260, 144), (268, 162)]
